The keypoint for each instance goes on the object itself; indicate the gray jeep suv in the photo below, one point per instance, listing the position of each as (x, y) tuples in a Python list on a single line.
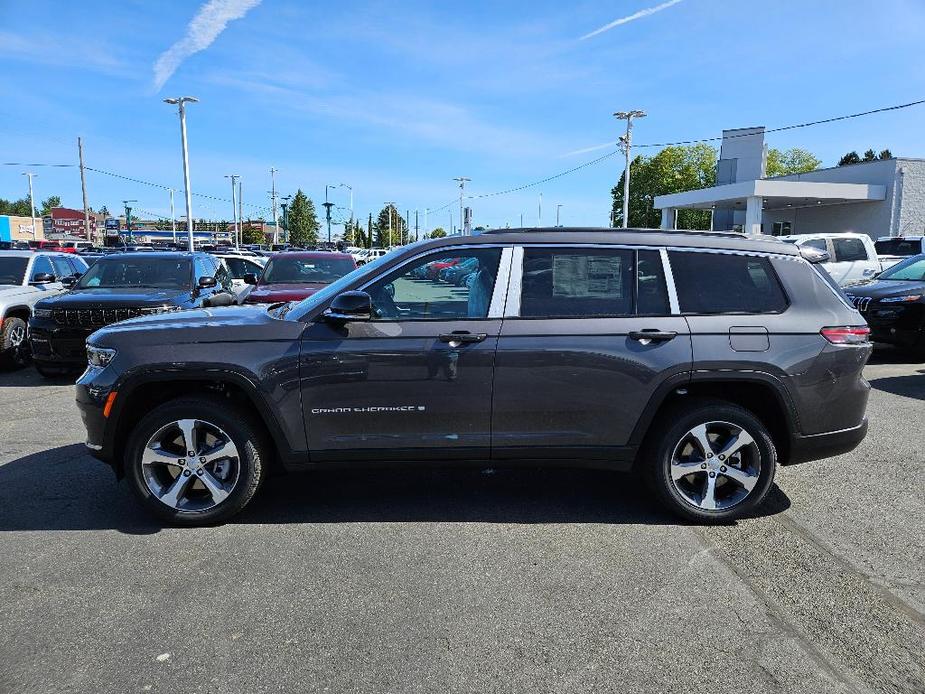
[(700, 360)]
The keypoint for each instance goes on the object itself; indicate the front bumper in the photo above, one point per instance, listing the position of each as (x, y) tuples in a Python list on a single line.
[(51, 343), (900, 324), (92, 390), (825, 445)]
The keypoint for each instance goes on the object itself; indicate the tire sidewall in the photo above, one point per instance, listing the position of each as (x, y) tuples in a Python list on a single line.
[(10, 355), (684, 422), (251, 464)]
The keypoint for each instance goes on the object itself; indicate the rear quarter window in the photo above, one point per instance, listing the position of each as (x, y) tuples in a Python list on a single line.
[(711, 283)]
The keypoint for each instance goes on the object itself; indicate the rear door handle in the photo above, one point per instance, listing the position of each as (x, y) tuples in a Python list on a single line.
[(646, 336), (463, 337)]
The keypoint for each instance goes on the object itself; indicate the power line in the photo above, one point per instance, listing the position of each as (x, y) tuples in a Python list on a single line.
[(16, 163)]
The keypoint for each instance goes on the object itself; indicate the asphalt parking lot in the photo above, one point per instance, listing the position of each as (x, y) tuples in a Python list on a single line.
[(463, 581)]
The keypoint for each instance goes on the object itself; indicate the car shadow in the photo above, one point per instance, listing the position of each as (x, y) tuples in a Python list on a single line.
[(910, 386), (887, 354), (28, 377), (66, 489)]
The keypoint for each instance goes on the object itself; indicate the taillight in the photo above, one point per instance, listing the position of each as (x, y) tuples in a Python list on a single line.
[(847, 334)]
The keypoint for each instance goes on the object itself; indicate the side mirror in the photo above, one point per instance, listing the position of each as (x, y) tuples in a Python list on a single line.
[(350, 306), (250, 278), (814, 255), (42, 278), (206, 282), (69, 281)]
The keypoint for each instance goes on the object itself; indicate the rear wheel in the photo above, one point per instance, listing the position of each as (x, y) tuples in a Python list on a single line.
[(711, 461), (14, 344), (195, 461)]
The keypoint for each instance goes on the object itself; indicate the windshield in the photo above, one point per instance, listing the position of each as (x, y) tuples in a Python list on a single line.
[(302, 270), (13, 270), (911, 269), (898, 246), (159, 273), (335, 288)]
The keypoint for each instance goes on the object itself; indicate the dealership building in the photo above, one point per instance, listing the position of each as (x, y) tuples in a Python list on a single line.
[(879, 198), (13, 228)]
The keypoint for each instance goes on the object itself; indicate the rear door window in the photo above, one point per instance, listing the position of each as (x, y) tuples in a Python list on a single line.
[(847, 250), (710, 283)]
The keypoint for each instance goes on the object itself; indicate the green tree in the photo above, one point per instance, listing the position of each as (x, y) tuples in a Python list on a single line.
[(675, 169), (251, 233), (302, 221), (885, 154), (850, 158), (437, 233), (791, 161), (390, 228), (47, 204), (17, 208), (104, 211), (869, 155)]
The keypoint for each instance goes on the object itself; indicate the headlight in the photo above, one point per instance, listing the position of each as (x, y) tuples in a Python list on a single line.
[(99, 356), (42, 312), (900, 299)]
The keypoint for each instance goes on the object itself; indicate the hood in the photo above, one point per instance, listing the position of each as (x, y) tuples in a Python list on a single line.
[(880, 289), (11, 290), (225, 324), (102, 298), (274, 293)]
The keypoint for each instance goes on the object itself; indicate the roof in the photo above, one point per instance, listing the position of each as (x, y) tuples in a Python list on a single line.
[(632, 237), (312, 254), (776, 192), (16, 253), (155, 254)]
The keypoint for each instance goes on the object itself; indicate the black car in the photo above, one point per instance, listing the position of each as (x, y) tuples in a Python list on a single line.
[(894, 304), (578, 348), (118, 287)]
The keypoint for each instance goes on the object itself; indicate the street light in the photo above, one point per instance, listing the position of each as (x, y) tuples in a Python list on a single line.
[(558, 207), (128, 218), (180, 103), (626, 143), (234, 203), (462, 185), (31, 199)]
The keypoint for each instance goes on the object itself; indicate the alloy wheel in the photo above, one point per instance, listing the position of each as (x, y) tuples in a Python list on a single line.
[(18, 344), (190, 465), (715, 466)]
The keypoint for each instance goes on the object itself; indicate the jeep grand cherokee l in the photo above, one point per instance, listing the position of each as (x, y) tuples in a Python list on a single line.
[(699, 360)]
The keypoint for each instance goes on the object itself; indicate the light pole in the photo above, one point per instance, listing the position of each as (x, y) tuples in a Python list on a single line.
[(234, 203), (539, 216), (240, 213), (181, 102), (389, 206), (173, 217), (285, 206), (273, 203), (558, 207), (462, 185), (627, 143), (31, 199), (128, 218)]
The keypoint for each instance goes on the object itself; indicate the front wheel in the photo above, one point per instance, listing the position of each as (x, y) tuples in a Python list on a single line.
[(14, 343), (196, 461), (711, 461)]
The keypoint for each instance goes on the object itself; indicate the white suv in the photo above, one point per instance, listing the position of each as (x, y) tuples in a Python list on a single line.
[(852, 257), (26, 277)]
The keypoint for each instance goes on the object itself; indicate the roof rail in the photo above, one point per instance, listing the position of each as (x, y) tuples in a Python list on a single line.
[(638, 230)]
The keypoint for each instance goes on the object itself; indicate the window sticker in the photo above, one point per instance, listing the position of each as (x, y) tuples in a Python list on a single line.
[(587, 276)]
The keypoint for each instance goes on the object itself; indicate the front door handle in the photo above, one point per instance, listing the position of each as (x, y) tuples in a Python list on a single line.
[(648, 335), (462, 337)]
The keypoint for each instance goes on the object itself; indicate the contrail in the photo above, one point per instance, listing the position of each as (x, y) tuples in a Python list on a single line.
[(205, 27), (631, 18), (585, 150)]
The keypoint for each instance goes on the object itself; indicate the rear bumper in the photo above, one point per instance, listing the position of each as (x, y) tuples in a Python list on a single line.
[(825, 445)]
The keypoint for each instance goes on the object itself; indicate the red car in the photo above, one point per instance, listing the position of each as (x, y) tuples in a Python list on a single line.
[(433, 269), (292, 276)]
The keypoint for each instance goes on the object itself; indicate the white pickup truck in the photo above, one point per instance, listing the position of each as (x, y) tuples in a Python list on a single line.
[(895, 249), (852, 257)]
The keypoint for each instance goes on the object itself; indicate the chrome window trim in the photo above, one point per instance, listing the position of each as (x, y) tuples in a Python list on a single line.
[(674, 307), (502, 283), (512, 307)]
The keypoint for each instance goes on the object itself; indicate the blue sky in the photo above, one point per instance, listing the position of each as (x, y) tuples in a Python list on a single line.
[(396, 99)]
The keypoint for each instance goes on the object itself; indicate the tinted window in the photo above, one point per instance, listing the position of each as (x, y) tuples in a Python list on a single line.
[(816, 243), (651, 294), (898, 246), (849, 249), (78, 265), (726, 283), (61, 266), (290, 269), (12, 270), (240, 267), (911, 269), (41, 265), (162, 273), (419, 291), (571, 282)]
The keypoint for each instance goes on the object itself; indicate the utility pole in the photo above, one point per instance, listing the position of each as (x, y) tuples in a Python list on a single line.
[(416, 228), (285, 206), (273, 204), (240, 212), (83, 188), (173, 217), (558, 207), (31, 200), (181, 109), (539, 217), (521, 220), (234, 203), (626, 142), (426, 210), (407, 223), (462, 185), (389, 206)]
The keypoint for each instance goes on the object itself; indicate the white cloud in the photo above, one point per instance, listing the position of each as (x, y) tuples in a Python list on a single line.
[(205, 27), (631, 18)]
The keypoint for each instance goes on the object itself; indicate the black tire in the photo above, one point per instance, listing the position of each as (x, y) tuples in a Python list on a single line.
[(670, 433), (14, 343), (247, 436)]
